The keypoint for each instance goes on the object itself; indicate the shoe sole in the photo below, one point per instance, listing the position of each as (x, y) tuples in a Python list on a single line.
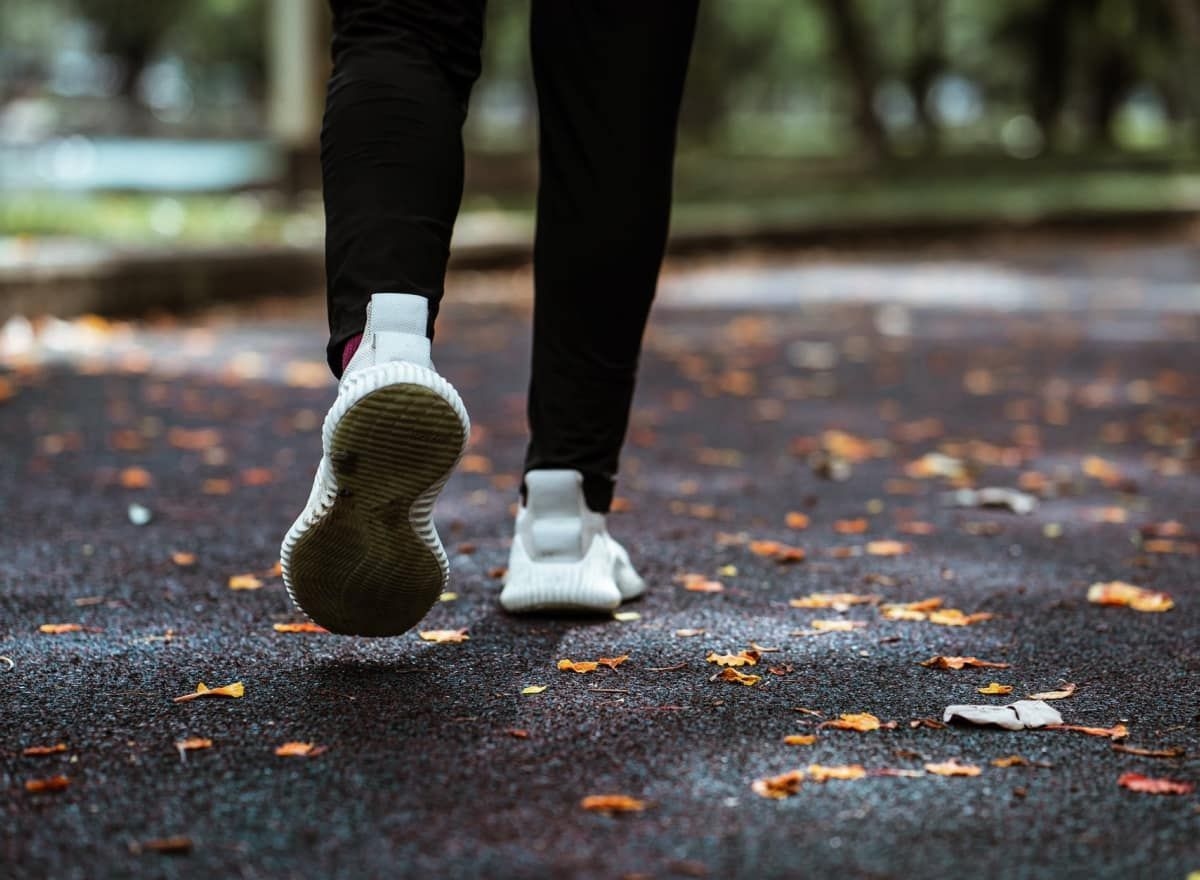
[(372, 564)]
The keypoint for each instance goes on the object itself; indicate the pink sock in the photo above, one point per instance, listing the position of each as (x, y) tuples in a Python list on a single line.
[(348, 350)]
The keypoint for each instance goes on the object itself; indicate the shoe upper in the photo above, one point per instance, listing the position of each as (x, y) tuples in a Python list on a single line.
[(395, 331)]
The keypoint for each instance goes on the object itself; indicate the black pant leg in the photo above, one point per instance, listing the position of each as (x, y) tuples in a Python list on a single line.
[(391, 150), (609, 77)]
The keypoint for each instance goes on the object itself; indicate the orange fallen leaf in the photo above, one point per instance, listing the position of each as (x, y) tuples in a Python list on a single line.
[(136, 478), (517, 733), (918, 610), (953, 768), (1119, 731), (1010, 761), (799, 739), (39, 751), (740, 678), (57, 629), (888, 548), (612, 662), (475, 464), (942, 662), (1104, 471), (824, 626), (955, 617), (796, 520), (995, 688), (851, 526), (820, 773), (257, 476), (612, 803), (776, 550), (1121, 593), (244, 582), (1151, 785), (742, 658), (580, 667), (304, 626), (916, 527), (836, 601), (193, 744), (862, 721), (779, 787), (1173, 752), (1166, 545), (300, 750), (235, 691), (216, 486), (698, 583), (1065, 691), (182, 559), (53, 783), (440, 636)]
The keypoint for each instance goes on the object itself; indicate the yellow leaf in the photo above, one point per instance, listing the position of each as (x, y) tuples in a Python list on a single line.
[(799, 739), (995, 688), (796, 520), (1137, 598), (244, 582), (1119, 731), (39, 751), (742, 658), (778, 787), (57, 629), (941, 662), (306, 626), (612, 803), (182, 559), (689, 633), (533, 689), (698, 583), (1065, 691), (953, 768), (837, 625), (887, 548), (740, 678), (626, 616), (193, 743), (820, 773), (235, 690), (863, 721), (439, 636), (581, 667), (955, 617), (612, 662), (836, 601), (300, 750), (1010, 761)]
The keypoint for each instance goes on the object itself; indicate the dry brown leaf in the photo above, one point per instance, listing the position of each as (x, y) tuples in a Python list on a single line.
[(183, 559), (136, 478), (444, 636), (1119, 731), (40, 751), (164, 845), (1061, 694), (244, 582), (820, 773), (862, 721), (1151, 785), (612, 803), (698, 583), (887, 548), (580, 667), (53, 783), (235, 691), (304, 626), (1010, 761), (57, 629), (612, 662), (955, 617), (739, 677), (851, 526), (953, 768), (799, 739), (778, 551), (836, 601), (1173, 752), (916, 527), (824, 626), (1121, 593), (918, 610), (742, 658), (300, 750), (796, 520), (995, 688), (1104, 471), (192, 744), (779, 787), (942, 662), (517, 733)]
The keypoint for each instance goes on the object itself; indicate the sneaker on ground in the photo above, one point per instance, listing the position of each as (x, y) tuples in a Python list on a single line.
[(562, 557), (364, 557)]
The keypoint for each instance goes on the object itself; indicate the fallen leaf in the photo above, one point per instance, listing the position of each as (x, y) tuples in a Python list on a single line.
[(863, 721), (851, 526), (779, 787), (918, 610), (1119, 731), (300, 750), (612, 803), (1015, 716), (1174, 752), (136, 478), (942, 662), (163, 845), (887, 548), (689, 633), (517, 733), (193, 744), (53, 783), (57, 629), (953, 768), (820, 773), (799, 739), (740, 678), (612, 662), (698, 583), (1065, 691), (183, 559), (1121, 593), (39, 751), (1104, 471), (304, 626), (777, 551), (626, 616), (836, 601), (1010, 761), (898, 772), (954, 617), (235, 690), (995, 688), (742, 658), (244, 582), (824, 626), (440, 636), (796, 520), (1151, 785), (533, 689), (580, 667)]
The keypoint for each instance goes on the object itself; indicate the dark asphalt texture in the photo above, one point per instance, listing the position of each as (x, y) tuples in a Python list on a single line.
[(422, 776)]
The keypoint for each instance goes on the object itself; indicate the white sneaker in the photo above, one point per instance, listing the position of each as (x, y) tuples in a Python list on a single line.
[(562, 557), (364, 557)]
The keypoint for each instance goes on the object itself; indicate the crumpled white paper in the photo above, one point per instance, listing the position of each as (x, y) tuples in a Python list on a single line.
[(1020, 715)]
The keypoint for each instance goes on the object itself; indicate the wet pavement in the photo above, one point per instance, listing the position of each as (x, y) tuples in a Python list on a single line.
[(144, 466)]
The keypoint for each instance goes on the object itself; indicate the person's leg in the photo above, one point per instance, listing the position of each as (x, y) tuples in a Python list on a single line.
[(391, 150), (363, 557), (609, 76)]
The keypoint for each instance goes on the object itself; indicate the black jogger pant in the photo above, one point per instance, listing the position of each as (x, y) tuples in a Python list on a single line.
[(609, 76)]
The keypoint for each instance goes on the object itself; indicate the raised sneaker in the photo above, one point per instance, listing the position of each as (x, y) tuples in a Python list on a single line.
[(562, 557), (364, 557)]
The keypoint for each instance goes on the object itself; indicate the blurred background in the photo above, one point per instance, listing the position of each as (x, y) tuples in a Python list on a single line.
[(167, 125)]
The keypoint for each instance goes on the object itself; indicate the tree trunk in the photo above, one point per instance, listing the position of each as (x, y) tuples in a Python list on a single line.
[(855, 57)]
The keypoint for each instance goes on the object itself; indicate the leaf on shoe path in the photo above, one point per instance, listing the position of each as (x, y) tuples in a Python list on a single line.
[(995, 688), (58, 629), (943, 662), (1129, 595), (244, 582), (861, 721), (532, 689), (781, 553), (1118, 731), (183, 559), (888, 548), (796, 520), (1151, 785), (612, 803), (612, 662), (41, 751), (1173, 752), (698, 583), (835, 601), (799, 739), (192, 744), (305, 626), (821, 773), (580, 666), (444, 636), (300, 750), (1020, 715), (235, 691), (52, 783), (739, 677), (953, 768), (689, 633), (778, 787), (1062, 693), (817, 627), (742, 658)]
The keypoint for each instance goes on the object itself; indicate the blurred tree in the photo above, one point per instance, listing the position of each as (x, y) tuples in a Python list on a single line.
[(131, 30), (856, 59)]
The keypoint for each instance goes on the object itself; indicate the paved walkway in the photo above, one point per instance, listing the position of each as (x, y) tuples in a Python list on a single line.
[(438, 763)]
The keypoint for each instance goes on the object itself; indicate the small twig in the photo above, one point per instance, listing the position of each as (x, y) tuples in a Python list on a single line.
[(607, 691), (674, 668), (9, 661)]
